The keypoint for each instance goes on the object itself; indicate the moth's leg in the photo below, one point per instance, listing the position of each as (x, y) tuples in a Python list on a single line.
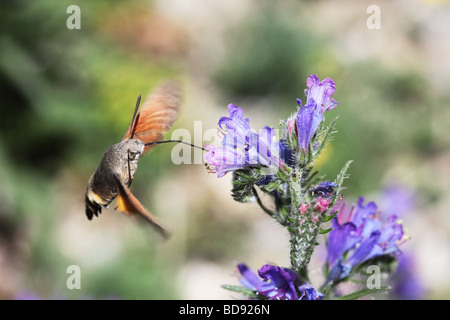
[(129, 168)]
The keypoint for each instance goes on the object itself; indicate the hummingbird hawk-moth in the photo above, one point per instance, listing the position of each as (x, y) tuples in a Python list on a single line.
[(118, 166)]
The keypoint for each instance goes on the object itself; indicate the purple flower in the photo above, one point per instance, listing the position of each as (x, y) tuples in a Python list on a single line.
[(241, 146), (359, 234), (276, 283), (405, 281), (308, 121), (406, 284), (309, 293), (309, 117), (321, 92), (397, 199)]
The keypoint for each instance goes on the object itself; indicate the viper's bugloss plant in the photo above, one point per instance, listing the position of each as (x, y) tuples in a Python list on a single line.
[(280, 163)]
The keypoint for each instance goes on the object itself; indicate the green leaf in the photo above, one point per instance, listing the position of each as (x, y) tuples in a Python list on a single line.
[(285, 173), (243, 181), (362, 293), (310, 158), (342, 176), (283, 215), (325, 138), (331, 216), (303, 158), (324, 231), (271, 186), (242, 290), (340, 180)]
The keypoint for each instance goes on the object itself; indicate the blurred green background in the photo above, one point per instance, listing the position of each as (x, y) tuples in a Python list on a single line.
[(68, 94)]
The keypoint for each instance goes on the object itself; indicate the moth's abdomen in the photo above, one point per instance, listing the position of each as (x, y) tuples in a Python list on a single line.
[(99, 193), (92, 208)]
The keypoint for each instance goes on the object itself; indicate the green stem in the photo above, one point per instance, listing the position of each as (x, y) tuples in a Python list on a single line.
[(304, 229)]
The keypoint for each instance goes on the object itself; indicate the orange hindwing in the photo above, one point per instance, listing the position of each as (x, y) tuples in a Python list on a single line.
[(129, 204)]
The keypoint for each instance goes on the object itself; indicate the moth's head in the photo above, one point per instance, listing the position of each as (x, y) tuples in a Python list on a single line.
[(134, 148)]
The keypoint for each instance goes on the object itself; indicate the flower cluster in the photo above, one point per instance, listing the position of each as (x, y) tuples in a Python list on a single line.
[(276, 283), (241, 146), (359, 234), (305, 123), (282, 167)]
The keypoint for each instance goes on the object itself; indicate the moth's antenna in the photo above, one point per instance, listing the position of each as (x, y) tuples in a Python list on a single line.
[(134, 120), (131, 133), (179, 141)]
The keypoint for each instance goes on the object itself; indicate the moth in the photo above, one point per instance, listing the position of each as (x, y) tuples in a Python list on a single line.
[(118, 166)]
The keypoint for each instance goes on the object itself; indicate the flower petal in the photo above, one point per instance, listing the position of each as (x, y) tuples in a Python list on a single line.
[(242, 147), (248, 278), (340, 240), (309, 293), (279, 282), (363, 252), (308, 120), (321, 92)]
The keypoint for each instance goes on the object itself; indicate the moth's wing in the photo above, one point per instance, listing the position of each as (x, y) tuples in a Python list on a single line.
[(129, 204), (157, 114)]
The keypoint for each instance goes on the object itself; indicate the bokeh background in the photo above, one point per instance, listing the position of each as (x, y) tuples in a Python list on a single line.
[(66, 95)]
